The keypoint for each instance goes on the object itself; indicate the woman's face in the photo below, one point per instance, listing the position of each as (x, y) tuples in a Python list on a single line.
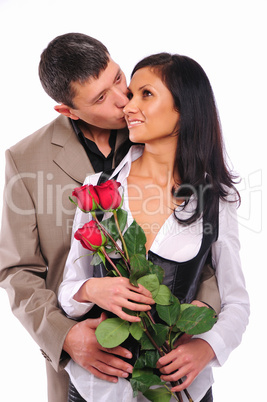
[(150, 113)]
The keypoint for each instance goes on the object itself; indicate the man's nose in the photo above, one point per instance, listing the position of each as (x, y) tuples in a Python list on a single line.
[(121, 97)]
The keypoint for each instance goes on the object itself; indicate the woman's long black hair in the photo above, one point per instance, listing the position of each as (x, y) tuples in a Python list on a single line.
[(199, 160)]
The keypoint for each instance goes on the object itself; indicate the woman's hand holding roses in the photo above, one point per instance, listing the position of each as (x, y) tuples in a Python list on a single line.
[(114, 294), (187, 360)]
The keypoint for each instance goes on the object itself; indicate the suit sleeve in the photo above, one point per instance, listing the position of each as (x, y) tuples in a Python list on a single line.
[(23, 269)]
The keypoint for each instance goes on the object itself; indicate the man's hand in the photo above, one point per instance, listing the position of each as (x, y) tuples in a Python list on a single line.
[(81, 344)]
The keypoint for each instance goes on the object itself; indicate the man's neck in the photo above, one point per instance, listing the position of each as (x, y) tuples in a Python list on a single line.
[(99, 136)]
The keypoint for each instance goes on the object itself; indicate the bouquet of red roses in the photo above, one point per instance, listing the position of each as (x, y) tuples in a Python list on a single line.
[(156, 339)]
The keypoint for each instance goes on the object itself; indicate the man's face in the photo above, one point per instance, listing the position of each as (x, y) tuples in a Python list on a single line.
[(100, 101)]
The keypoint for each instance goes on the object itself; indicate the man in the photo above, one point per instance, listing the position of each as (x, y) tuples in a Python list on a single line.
[(41, 172)]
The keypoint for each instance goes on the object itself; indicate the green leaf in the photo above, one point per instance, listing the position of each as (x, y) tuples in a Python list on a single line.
[(139, 268), (148, 359), (102, 257), (169, 314), (145, 343), (112, 332), (135, 239), (184, 306), (130, 312), (142, 380), (96, 260), (157, 270), (140, 362), (136, 330), (122, 269), (160, 394), (196, 320), (174, 337), (151, 283), (122, 218), (112, 273), (164, 296), (110, 224), (160, 335), (137, 372), (151, 358)]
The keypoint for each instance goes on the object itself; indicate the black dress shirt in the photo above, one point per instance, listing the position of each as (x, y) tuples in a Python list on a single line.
[(99, 162)]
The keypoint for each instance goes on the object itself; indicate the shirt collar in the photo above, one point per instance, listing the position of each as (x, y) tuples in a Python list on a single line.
[(123, 169), (79, 133), (75, 127)]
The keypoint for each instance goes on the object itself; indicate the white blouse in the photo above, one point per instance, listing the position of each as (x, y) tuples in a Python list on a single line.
[(225, 335)]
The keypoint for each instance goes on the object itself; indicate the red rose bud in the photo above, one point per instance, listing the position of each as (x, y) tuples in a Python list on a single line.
[(90, 236), (108, 194), (87, 197)]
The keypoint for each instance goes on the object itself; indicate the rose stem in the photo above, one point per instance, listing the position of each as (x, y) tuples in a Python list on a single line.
[(186, 393), (161, 352), (121, 236), (177, 398), (102, 249), (150, 337), (166, 348), (112, 240)]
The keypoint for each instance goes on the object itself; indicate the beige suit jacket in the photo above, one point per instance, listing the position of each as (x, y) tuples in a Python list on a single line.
[(41, 172)]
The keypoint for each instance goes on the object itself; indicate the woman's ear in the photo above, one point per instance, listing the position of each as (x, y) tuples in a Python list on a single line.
[(66, 111)]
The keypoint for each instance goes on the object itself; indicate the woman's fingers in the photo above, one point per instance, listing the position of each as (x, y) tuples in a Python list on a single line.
[(140, 297), (118, 293), (124, 316), (188, 360), (140, 289)]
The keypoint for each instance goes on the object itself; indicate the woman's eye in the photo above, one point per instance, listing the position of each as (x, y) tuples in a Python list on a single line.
[(146, 93)]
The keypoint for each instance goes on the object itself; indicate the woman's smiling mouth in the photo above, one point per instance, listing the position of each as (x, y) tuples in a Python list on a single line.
[(133, 123)]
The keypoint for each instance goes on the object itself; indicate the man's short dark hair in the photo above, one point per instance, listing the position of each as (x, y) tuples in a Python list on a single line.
[(69, 58)]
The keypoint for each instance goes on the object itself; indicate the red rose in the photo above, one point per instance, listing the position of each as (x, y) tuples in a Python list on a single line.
[(108, 194), (90, 236), (87, 197)]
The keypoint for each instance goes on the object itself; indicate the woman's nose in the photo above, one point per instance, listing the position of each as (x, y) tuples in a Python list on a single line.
[(131, 107)]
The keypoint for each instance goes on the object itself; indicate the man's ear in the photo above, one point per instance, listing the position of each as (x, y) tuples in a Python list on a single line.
[(66, 111)]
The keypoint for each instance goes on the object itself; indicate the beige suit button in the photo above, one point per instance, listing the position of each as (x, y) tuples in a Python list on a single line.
[(46, 356)]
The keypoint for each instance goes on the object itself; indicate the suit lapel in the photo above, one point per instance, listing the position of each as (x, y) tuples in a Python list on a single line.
[(71, 156)]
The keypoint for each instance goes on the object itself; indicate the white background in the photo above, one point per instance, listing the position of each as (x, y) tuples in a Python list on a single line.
[(228, 38)]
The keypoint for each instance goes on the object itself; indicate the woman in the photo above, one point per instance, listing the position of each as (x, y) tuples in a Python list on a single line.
[(178, 188)]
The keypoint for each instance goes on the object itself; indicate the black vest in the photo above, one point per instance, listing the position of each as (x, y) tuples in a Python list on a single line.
[(182, 278)]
